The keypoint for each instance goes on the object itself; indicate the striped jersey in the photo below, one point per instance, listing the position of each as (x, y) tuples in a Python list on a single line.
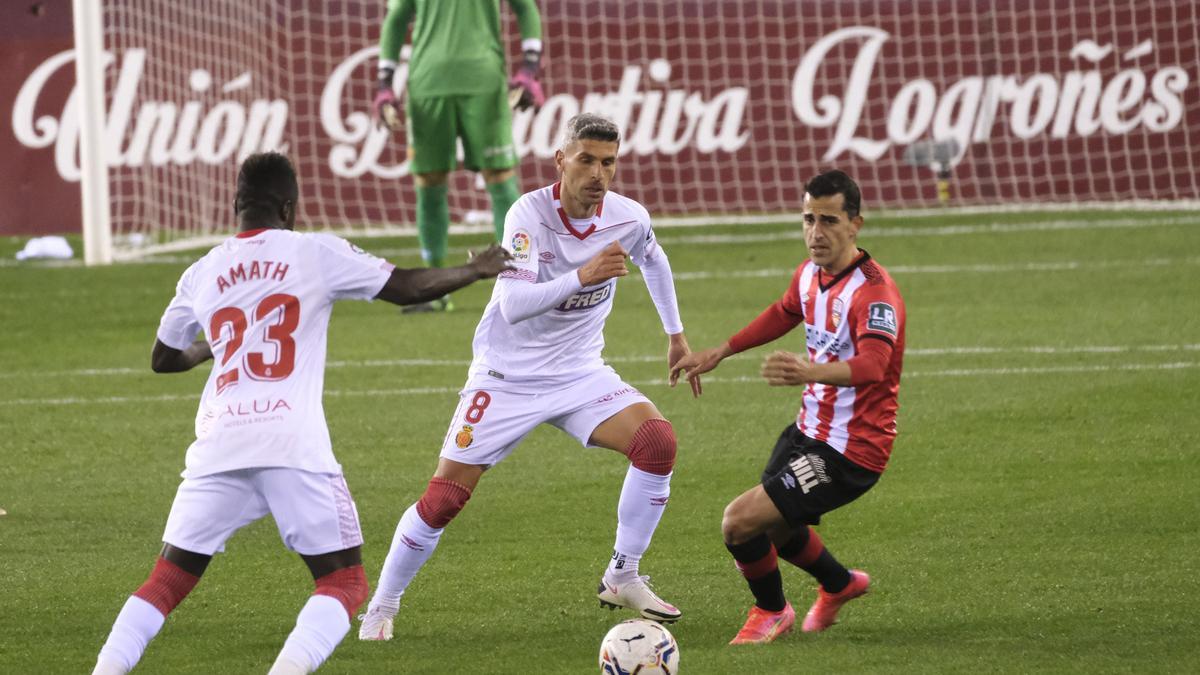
[(839, 312)]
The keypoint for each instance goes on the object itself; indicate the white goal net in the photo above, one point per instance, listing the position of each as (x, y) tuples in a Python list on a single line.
[(727, 107)]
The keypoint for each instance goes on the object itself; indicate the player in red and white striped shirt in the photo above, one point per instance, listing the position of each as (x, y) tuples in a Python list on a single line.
[(853, 319)]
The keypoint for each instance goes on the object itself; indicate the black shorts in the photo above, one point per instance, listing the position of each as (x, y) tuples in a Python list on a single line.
[(806, 478)]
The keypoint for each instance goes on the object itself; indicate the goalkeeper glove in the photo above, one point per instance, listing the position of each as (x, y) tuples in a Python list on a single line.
[(524, 89), (385, 107)]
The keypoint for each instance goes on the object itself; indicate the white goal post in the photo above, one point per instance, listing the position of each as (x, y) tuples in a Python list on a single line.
[(93, 186), (726, 107)]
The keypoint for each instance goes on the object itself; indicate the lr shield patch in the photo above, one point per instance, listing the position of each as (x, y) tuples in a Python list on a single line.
[(882, 317), (520, 246)]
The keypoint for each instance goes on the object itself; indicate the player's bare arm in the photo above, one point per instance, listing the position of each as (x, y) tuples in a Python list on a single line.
[(785, 369), (677, 350), (696, 364), (411, 286), (164, 359), (607, 264)]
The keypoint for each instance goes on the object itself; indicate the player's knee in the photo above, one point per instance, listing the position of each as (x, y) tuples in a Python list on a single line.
[(736, 528), (347, 585), (431, 179), (167, 586), (443, 499), (653, 446)]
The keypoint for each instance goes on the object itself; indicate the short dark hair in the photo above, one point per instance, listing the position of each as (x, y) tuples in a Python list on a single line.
[(835, 182), (265, 181), (591, 127)]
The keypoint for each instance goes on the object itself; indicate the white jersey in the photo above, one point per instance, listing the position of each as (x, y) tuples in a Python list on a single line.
[(549, 350), (263, 298)]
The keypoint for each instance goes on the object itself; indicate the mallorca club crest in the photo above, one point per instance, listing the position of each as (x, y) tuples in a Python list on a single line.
[(465, 437), (520, 246)]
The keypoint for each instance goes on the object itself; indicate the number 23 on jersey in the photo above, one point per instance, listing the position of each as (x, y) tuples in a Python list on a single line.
[(278, 316)]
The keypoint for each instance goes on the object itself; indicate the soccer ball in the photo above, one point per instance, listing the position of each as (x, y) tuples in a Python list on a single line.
[(639, 647)]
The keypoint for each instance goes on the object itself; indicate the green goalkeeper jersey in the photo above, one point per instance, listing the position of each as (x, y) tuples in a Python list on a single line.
[(456, 43)]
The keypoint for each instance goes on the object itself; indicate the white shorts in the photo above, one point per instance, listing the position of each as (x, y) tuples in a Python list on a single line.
[(489, 423), (313, 511)]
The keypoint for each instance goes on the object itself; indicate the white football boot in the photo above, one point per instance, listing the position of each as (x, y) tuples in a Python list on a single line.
[(636, 594), (376, 625)]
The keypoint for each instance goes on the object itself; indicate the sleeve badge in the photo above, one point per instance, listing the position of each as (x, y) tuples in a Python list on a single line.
[(881, 317), (521, 246)]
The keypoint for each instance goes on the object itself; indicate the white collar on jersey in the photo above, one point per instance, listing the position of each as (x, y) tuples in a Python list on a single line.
[(562, 215)]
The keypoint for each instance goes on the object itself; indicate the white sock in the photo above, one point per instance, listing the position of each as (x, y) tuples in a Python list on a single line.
[(643, 500), (412, 545), (320, 627), (136, 625)]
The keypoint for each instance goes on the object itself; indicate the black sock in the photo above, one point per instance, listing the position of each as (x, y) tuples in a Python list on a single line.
[(831, 574), (756, 560)]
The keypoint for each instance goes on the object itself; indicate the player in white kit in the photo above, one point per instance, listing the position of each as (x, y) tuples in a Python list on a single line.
[(537, 360), (263, 298)]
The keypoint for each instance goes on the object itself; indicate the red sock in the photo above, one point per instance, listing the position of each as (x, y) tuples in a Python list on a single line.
[(347, 585), (807, 554), (167, 586)]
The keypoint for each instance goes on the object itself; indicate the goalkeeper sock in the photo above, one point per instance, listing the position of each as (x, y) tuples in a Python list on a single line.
[(433, 223), (504, 194)]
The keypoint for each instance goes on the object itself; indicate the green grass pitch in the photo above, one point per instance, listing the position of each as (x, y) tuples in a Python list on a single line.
[(1041, 513)]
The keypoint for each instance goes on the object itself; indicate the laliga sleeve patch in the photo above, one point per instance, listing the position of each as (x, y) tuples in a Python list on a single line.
[(881, 317), (520, 246)]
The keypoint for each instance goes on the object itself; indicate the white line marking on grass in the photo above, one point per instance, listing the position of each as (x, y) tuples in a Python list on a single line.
[(972, 372), (653, 382), (1072, 349), (899, 270), (653, 358), (794, 234), (943, 230)]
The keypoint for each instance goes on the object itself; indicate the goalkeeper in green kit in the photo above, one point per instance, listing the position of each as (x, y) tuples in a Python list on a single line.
[(457, 88)]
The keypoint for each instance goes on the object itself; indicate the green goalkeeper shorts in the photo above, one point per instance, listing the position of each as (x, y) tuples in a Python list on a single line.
[(483, 121)]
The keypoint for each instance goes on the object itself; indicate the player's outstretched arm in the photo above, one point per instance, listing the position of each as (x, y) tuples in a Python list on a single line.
[(164, 359), (677, 350), (696, 364), (785, 369), (412, 286)]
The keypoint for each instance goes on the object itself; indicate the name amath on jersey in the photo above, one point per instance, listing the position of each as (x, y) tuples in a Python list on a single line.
[(263, 298)]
